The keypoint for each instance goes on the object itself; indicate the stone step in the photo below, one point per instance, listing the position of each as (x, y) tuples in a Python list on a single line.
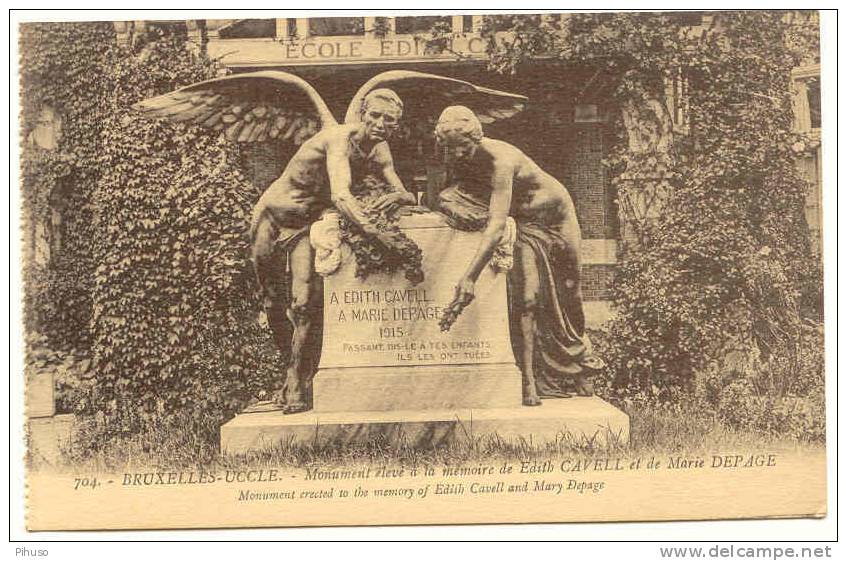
[(577, 421), (39, 398)]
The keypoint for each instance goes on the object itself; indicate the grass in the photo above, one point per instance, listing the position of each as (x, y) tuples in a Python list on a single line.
[(193, 443)]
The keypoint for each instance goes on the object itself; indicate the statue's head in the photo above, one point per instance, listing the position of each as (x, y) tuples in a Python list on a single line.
[(458, 133), (381, 112)]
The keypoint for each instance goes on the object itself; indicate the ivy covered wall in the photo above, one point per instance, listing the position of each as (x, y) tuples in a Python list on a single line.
[(62, 69), (152, 286)]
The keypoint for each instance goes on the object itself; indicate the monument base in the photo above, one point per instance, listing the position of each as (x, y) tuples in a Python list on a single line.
[(415, 388), (577, 420)]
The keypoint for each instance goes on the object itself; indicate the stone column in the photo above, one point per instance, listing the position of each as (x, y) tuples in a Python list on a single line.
[(282, 28), (302, 28), (476, 24), (458, 24), (370, 24)]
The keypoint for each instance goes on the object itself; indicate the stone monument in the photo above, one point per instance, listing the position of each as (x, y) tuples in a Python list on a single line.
[(387, 370)]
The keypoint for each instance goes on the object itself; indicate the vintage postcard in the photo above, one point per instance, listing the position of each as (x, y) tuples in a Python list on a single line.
[(441, 269)]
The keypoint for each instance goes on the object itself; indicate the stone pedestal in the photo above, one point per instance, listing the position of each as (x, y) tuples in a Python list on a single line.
[(413, 388), (387, 371), (39, 398), (385, 321), (577, 420), (47, 437), (46, 432)]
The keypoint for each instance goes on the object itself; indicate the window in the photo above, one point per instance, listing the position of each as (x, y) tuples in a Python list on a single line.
[(806, 89), (813, 95), (420, 24), (47, 130), (807, 97), (508, 22), (328, 27), (249, 29), (676, 94)]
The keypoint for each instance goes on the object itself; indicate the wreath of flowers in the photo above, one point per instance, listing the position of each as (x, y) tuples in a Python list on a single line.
[(395, 251)]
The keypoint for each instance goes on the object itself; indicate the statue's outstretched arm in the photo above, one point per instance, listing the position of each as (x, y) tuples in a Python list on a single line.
[(340, 178), (498, 212), (400, 196)]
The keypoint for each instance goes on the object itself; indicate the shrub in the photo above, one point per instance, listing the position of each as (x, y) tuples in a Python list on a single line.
[(175, 321), (780, 395)]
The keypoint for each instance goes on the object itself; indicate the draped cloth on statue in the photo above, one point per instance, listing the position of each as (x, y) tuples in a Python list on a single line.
[(562, 350)]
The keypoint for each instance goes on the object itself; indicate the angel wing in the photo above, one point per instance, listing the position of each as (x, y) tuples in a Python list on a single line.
[(248, 107), (426, 95)]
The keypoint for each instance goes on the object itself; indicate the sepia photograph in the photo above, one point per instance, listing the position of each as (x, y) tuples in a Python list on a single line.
[(384, 269)]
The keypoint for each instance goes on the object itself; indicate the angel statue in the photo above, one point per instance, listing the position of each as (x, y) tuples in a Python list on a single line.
[(346, 168)]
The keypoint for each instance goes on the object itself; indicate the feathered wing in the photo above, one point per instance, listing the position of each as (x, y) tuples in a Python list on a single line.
[(249, 107), (426, 95)]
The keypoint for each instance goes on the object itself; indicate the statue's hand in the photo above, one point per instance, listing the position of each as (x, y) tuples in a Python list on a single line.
[(464, 292), (464, 296), (391, 201)]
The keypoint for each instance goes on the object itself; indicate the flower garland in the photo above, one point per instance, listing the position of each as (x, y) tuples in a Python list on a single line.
[(372, 257)]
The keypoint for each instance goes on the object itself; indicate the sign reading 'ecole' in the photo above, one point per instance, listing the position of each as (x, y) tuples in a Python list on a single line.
[(317, 50), (392, 48)]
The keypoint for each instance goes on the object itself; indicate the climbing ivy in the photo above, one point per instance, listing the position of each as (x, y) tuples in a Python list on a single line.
[(158, 214), (175, 313), (61, 67)]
